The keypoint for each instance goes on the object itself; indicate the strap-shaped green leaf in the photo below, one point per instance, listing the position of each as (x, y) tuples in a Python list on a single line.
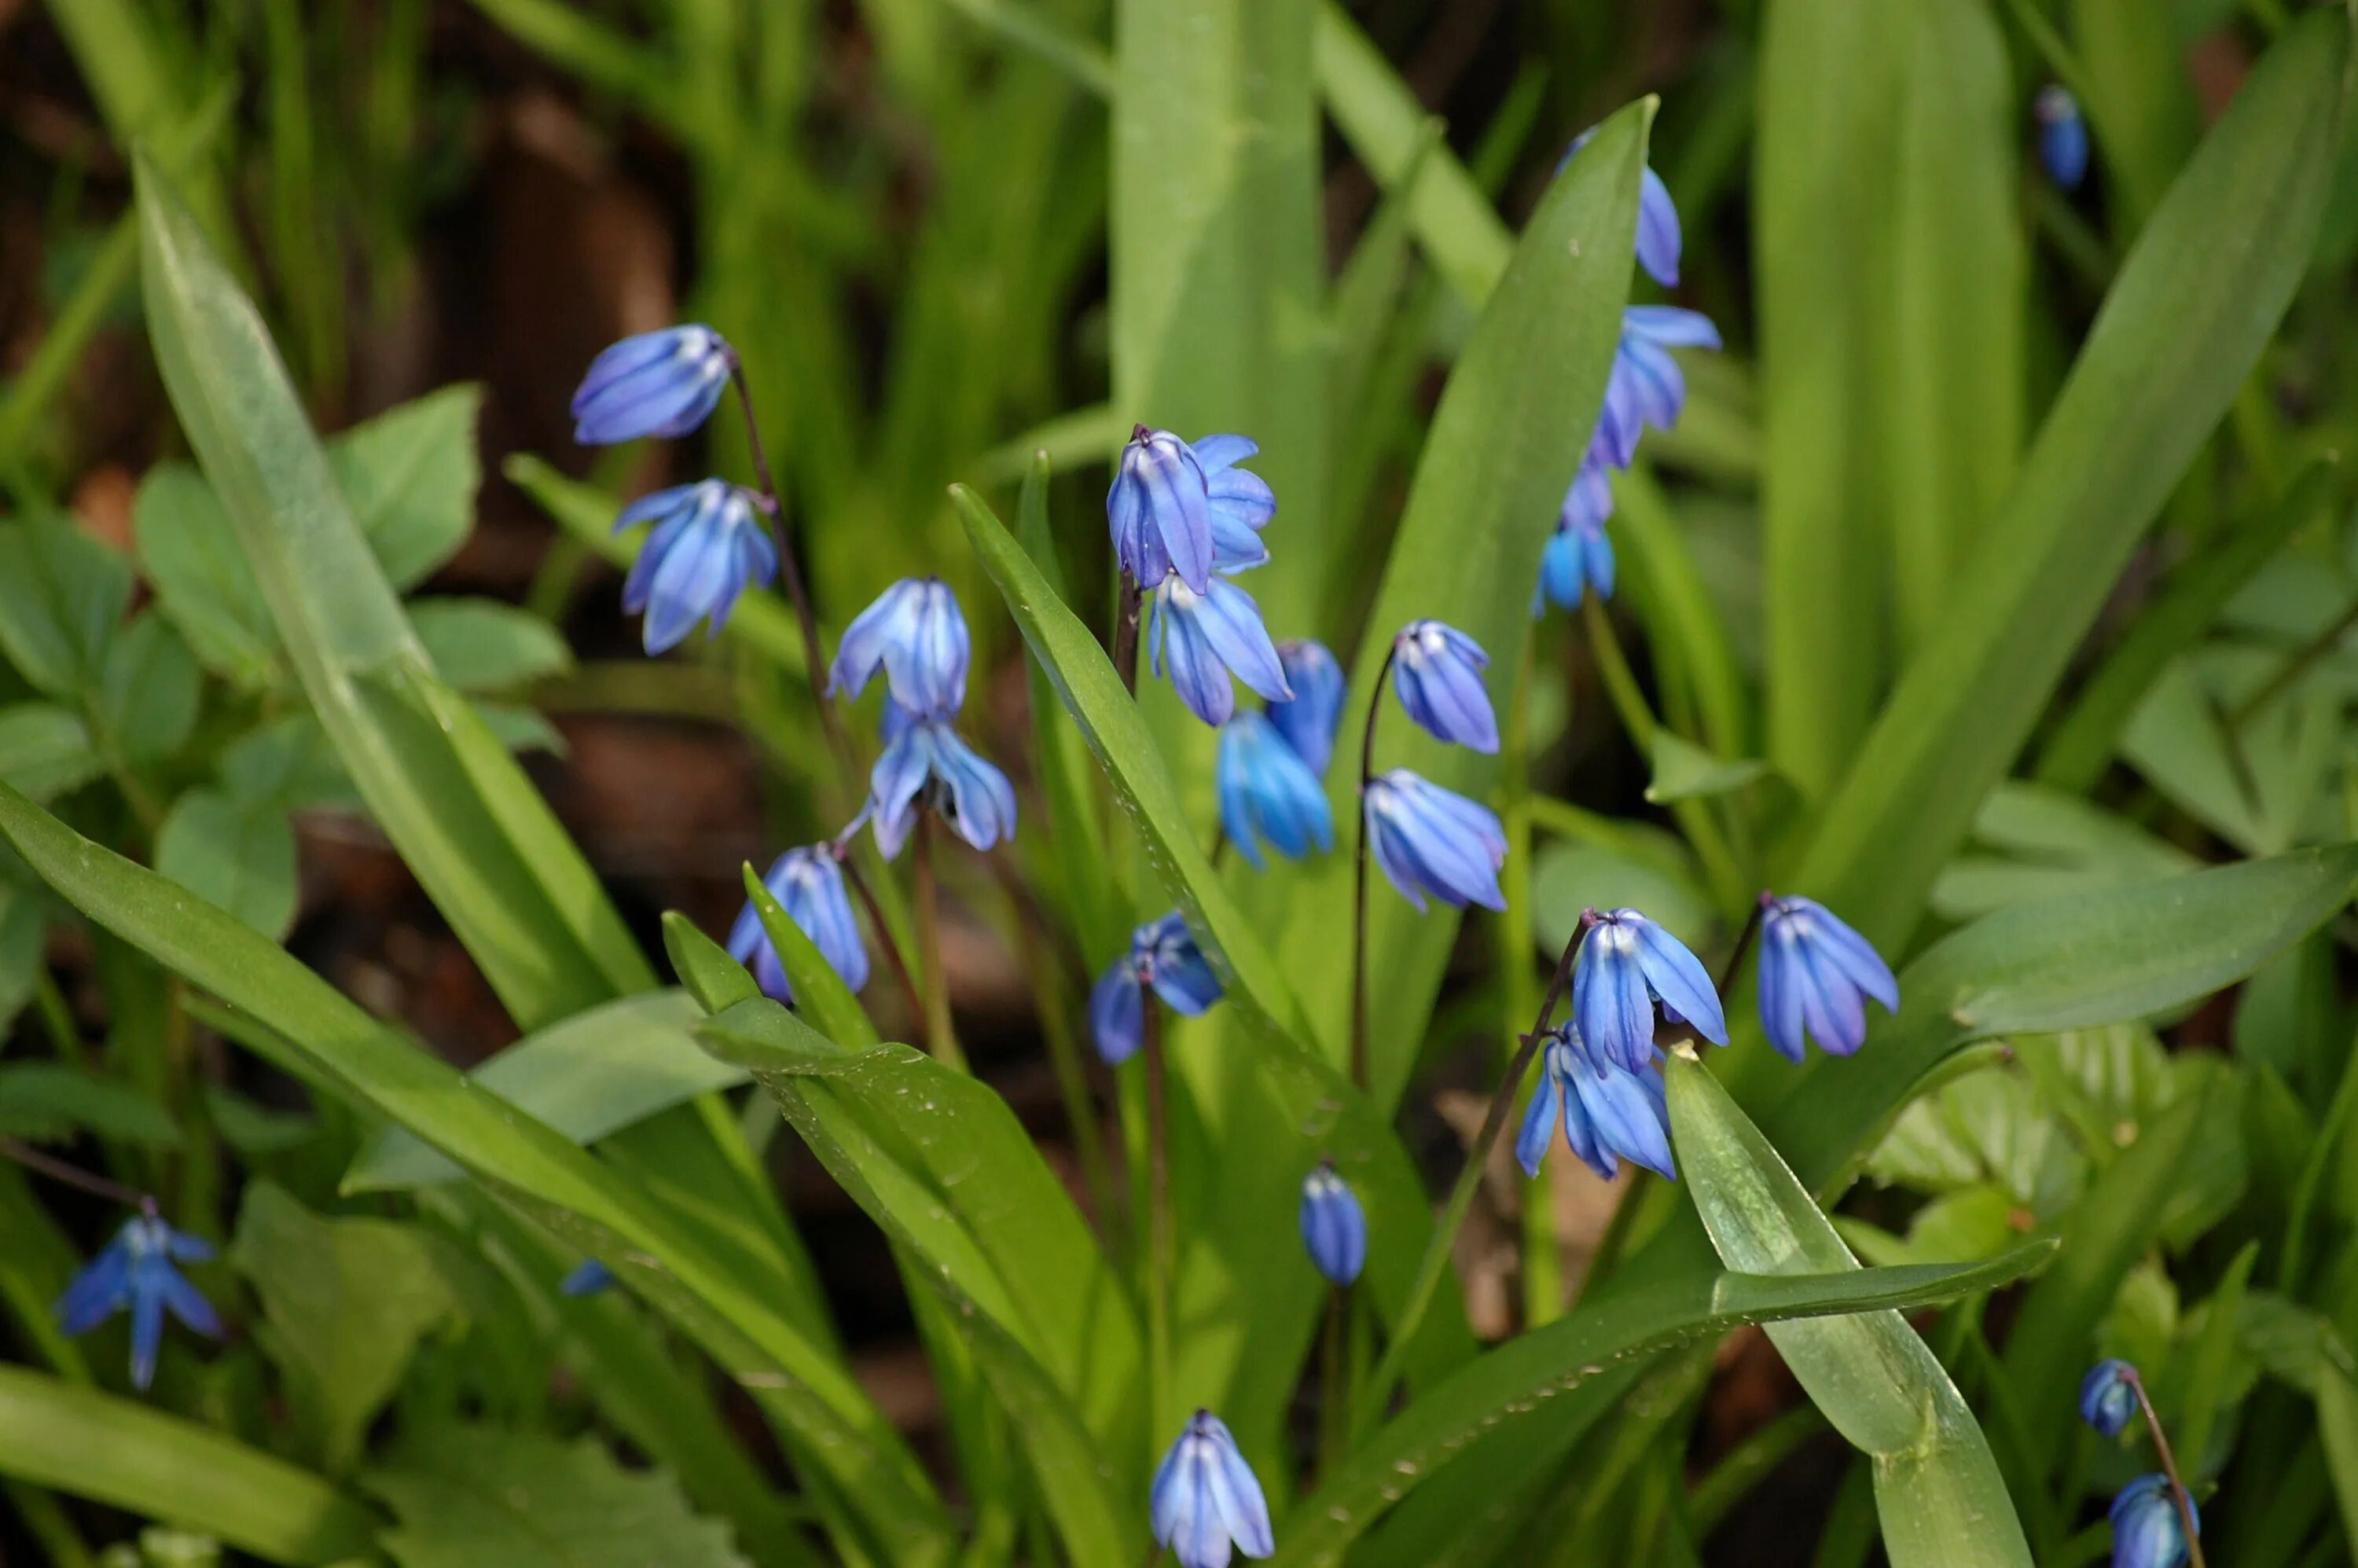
[(1937, 1485), (460, 811), (121, 1452), (526, 1162)]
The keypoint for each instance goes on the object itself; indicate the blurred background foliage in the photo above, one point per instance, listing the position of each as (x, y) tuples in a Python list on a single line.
[(915, 219)]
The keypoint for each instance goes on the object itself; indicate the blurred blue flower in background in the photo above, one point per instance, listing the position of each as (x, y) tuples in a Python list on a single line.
[(2108, 1398), (134, 1272), (2062, 135), (1657, 220), (1162, 953), (587, 1278), (1206, 637), (926, 756), (1610, 1115), (809, 885), (915, 633), (1334, 1228), (1267, 792), (1206, 1497), (2146, 1529), (1815, 975), (1434, 841), (706, 547), (1437, 670), (1309, 719), (1578, 555), (1646, 386), (1626, 964), (657, 383)]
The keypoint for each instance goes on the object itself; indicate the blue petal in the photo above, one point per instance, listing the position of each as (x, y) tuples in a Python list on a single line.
[(893, 783), (147, 1333), (189, 1305), (1308, 721), (1679, 977), (1241, 497), (1215, 454), (1627, 1111), (1197, 673), (1232, 624), (1538, 1123), (1658, 230), (98, 1291), (1609, 1001), (982, 803), (1780, 995), (1117, 1013)]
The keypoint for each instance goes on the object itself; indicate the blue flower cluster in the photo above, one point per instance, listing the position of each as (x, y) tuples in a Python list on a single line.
[(1644, 389), (134, 1274)]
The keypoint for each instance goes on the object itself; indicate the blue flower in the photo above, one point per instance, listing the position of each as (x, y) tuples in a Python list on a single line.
[(1658, 220), (706, 547), (1646, 386), (2146, 1529), (136, 1271), (2062, 135), (1626, 963), (1815, 973), (1579, 556), (657, 383), (1437, 670), (927, 756), (2108, 1397), (587, 1278), (917, 634), (809, 885), (1610, 1115), (1334, 1228), (1205, 1498), (1267, 792), (1208, 637), (1433, 841), (1162, 953), (1186, 509), (1309, 721)]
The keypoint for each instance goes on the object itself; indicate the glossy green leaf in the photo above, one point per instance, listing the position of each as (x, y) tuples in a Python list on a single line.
[(819, 992), (469, 1497), (1937, 1486), (237, 854), (1581, 1361), (464, 816), (595, 1072), (2189, 313), (148, 689), (51, 1102), (481, 644), (121, 1452), (526, 1162), (46, 750), (61, 600)]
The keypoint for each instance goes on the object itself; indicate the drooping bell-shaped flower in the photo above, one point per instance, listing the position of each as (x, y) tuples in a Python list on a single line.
[(1437, 670), (1308, 720), (1206, 1498), (657, 383), (1334, 1228), (2108, 1397), (135, 1273), (1626, 963), (1578, 558), (1174, 507), (1267, 792), (2062, 135), (1815, 975), (2146, 1529), (1434, 842), (1646, 386), (586, 1278), (928, 762), (708, 545), (1163, 957), (809, 885), (917, 634), (1609, 1114), (1204, 638)]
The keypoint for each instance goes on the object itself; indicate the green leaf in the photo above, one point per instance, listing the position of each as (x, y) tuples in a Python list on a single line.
[(49, 1102), (24, 930), (937, 1159), (237, 854), (595, 1072), (1937, 1486), (409, 476), (61, 600), (150, 687), (344, 1301), (46, 751), (481, 644), (1502, 448), (839, 1434), (1581, 1363), (1684, 770), (120, 1452), (189, 550), (819, 992), (471, 1497), (462, 814), (290, 763), (2191, 310)]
